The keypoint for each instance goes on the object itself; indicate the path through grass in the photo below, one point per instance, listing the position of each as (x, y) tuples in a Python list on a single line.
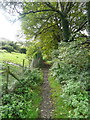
[(46, 104)]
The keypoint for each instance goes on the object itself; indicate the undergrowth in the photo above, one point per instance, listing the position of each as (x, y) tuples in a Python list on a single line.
[(25, 100), (71, 70)]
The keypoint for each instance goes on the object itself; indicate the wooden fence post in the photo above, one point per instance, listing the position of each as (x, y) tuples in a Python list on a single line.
[(29, 63), (23, 64), (7, 78)]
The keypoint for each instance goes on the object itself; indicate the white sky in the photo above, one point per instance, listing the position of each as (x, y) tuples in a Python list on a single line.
[(8, 30)]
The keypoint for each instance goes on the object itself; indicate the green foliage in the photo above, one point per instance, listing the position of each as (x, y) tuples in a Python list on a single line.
[(22, 50), (8, 48), (76, 97), (70, 62), (20, 106), (53, 22), (41, 25), (33, 77), (25, 101), (32, 49), (60, 107), (11, 46), (71, 70)]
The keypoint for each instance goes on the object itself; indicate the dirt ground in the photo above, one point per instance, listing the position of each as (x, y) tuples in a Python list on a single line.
[(47, 104)]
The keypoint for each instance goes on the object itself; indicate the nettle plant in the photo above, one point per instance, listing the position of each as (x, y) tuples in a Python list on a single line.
[(76, 98), (24, 101), (71, 62), (71, 69)]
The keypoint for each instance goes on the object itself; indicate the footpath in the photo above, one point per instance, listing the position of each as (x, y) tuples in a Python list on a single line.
[(46, 107)]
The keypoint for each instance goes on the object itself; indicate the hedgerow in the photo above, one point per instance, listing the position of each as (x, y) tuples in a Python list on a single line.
[(24, 101), (71, 69)]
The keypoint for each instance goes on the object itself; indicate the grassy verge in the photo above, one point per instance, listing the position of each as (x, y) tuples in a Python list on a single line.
[(61, 109)]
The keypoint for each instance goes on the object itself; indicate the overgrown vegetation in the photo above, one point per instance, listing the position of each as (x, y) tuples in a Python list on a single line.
[(71, 70), (24, 102), (60, 108)]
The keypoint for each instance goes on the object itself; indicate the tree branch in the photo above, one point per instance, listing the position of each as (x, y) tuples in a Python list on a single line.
[(82, 25), (31, 11), (68, 7), (45, 30), (25, 13), (45, 22), (17, 11), (53, 9)]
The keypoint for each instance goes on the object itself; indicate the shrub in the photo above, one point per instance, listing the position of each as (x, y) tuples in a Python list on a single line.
[(71, 69), (22, 50), (24, 101), (8, 48), (76, 98)]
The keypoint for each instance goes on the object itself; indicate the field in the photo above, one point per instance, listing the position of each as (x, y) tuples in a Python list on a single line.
[(13, 57), (16, 58)]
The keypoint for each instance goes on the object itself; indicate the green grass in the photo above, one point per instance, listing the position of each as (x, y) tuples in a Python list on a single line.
[(17, 71), (0, 81), (61, 110), (13, 57)]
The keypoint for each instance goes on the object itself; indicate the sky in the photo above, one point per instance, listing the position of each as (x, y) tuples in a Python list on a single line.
[(8, 29)]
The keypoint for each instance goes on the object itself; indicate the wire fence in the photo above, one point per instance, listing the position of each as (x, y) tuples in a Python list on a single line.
[(10, 76)]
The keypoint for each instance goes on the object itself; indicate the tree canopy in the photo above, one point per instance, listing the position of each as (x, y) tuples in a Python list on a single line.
[(51, 22)]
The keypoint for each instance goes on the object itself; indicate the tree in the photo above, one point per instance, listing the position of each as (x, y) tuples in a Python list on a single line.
[(63, 13), (22, 50), (88, 17), (52, 22)]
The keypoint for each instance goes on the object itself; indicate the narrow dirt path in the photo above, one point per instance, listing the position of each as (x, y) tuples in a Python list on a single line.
[(46, 105)]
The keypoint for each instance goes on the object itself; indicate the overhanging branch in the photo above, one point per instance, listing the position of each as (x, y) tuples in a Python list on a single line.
[(31, 11), (45, 30), (82, 25), (54, 9)]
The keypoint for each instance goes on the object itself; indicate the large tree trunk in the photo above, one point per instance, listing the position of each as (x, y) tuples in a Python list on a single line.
[(66, 30), (88, 18)]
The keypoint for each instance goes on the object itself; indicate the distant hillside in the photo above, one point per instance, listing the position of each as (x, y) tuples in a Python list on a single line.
[(4, 39)]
